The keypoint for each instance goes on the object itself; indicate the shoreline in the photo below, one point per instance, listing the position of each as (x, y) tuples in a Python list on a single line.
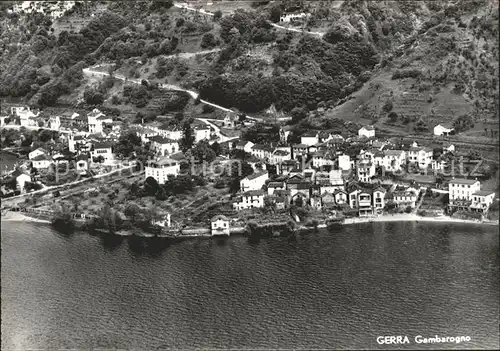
[(10, 216)]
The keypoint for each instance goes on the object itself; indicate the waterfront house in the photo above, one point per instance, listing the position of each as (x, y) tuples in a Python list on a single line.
[(254, 181), (37, 152), (353, 197), (443, 129), (249, 199), (162, 221), (340, 196), (220, 225), (403, 199), (462, 189), (315, 201), (365, 203), (161, 169), (379, 199), (164, 146), (327, 199), (367, 132), (482, 200)]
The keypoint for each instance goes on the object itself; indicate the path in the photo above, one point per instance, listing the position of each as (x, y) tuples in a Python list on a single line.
[(17, 126)]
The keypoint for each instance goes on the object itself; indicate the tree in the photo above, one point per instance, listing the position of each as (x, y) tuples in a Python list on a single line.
[(393, 117), (217, 148), (275, 14), (93, 97), (188, 137), (208, 41), (217, 15), (151, 186), (203, 152), (298, 114)]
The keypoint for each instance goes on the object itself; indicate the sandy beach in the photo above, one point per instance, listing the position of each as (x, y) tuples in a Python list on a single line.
[(412, 218), (9, 216)]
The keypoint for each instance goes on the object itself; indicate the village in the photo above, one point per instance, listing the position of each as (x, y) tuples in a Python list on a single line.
[(327, 176)]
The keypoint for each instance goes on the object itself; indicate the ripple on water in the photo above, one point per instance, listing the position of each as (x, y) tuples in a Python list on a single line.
[(325, 290)]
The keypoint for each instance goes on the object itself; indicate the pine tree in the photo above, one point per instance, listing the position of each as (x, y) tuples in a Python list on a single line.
[(188, 137)]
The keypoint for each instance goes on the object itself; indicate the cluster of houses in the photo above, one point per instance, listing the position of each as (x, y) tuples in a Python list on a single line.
[(466, 194), (320, 190), (55, 9)]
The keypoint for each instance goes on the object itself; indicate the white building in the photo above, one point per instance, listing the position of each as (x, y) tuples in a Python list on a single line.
[(245, 146), (37, 152), (378, 199), (367, 131), (482, 200), (393, 160), (220, 225), (310, 138), (365, 171), (162, 221), (254, 181), (404, 199), (249, 199), (55, 122), (261, 151), (290, 17), (96, 121), (82, 164), (103, 149), (162, 168), (344, 162), (462, 189), (279, 156), (42, 161), (201, 133), (443, 129), (164, 146), (21, 181), (420, 155)]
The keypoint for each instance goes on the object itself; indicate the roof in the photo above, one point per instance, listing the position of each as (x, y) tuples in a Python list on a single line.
[(463, 181), (40, 149), (338, 191), (302, 146), (42, 157), (103, 117), (243, 143), (82, 157), (483, 193), (262, 147), (445, 125), (256, 175), (276, 185), (289, 162), (253, 193), (310, 134), (201, 127), (161, 140), (368, 127), (379, 189), (393, 152), (101, 145), (219, 217), (166, 161), (281, 192), (281, 153)]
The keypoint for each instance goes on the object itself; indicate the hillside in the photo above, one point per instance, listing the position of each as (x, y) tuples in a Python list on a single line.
[(403, 66)]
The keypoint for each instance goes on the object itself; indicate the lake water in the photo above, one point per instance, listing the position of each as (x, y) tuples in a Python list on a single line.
[(324, 290)]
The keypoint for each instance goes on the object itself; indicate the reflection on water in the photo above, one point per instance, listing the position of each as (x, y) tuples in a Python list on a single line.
[(337, 289)]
